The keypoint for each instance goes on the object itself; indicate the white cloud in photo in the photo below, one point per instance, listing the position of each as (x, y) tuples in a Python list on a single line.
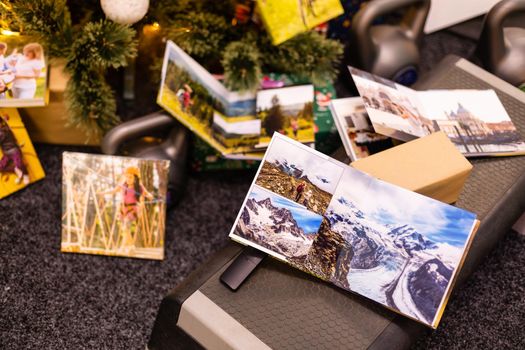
[(287, 96), (322, 172), (484, 104), (390, 204)]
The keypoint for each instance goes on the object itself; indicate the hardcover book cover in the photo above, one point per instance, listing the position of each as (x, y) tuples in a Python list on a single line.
[(474, 120), (391, 245), (19, 163), (286, 18)]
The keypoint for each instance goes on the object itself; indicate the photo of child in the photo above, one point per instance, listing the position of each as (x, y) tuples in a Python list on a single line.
[(132, 193), (22, 72), (114, 205)]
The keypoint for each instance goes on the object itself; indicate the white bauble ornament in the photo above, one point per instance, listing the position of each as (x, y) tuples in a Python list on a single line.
[(125, 11)]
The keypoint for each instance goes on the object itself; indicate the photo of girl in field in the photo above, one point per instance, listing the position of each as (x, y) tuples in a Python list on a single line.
[(114, 205), (22, 72)]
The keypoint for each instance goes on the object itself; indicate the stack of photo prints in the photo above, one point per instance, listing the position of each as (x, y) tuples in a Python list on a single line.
[(237, 125), (23, 83), (113, 205), (348, 228), (474, 120)]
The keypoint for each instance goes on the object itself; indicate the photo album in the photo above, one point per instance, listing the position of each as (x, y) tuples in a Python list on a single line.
[(19, 163), (393, 246), (239, 126), (113, 205), (23, 72), (474, 120), (355, 128)]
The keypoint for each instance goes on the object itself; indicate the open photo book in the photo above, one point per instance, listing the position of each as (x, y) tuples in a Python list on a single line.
[(393, 246), (237, 125), (474, 120)]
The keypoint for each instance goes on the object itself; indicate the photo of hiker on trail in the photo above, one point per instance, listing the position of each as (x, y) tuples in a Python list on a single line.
[(114, 205)]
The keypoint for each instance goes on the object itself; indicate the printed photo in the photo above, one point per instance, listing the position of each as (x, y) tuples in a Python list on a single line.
[(288, 111), (402, 256), (299, 173), (474, 120), (194, 97), (113, 205), (278, 224), (23, 73), (19, 164), (355, 128), (392, 108)]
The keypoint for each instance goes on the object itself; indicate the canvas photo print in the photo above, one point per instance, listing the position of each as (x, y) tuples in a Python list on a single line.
[(19, 163), (393, 246), (355, 128), (474, 120), (23, 72), (113, 205), (288, 111)]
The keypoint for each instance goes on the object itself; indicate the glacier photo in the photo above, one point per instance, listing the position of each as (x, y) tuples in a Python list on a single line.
[(405, 247)]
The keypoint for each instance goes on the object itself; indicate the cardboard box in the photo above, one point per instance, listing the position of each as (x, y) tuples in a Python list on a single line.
[(431, 166), (49, 124)]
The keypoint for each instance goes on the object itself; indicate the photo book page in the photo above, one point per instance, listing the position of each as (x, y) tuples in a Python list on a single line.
[(239, 126), (356, 130), (393, 246), (474, 120), (113, 205)]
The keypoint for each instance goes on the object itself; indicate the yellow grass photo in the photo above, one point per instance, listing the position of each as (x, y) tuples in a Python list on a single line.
[(19, 164), (113, 205), (200, 102)]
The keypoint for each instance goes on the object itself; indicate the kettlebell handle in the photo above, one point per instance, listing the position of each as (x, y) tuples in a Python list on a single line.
[(365, 17), (135, 128), (492, 34)]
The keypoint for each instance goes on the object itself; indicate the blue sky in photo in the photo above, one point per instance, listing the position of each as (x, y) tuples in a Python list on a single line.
[(307, 220), (389, 204), (321, 170)]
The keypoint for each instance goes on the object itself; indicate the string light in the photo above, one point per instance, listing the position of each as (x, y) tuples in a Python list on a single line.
[(8, 32)]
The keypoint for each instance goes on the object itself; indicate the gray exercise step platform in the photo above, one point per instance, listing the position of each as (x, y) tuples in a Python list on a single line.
[(282, 308)]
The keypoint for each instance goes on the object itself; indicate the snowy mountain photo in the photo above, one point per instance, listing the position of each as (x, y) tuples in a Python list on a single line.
[(388, 244), (278, 224), (405, 247)]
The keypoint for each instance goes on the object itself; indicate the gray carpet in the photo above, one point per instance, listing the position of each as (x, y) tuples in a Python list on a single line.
[(50, 300)]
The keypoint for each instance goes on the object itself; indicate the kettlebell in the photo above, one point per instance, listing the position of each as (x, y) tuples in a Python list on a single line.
[(502, 50), (153, 136), (390, 51)]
